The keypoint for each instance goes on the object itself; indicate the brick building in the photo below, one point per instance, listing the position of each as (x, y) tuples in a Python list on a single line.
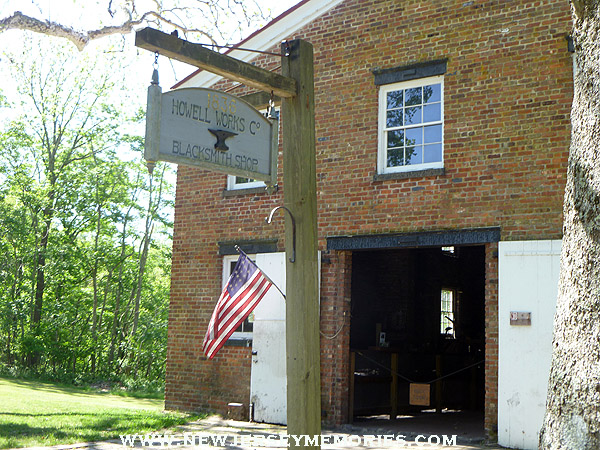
[(442, 142)]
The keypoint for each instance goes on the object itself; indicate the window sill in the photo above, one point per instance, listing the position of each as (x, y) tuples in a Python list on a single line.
[(413, 174), (249, 191), (238, 342)]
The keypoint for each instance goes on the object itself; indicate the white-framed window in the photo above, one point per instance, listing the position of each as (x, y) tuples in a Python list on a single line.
[(234, 182), (448, 313), (246, 328), (411, 125)]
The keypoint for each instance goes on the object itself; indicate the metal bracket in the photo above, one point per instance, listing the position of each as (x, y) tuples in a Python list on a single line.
[(270, 218)]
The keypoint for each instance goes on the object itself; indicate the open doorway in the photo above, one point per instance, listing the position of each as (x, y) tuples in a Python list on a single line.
[(418, 323)]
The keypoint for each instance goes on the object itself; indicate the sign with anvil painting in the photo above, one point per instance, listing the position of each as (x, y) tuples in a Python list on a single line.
[(211, 129)]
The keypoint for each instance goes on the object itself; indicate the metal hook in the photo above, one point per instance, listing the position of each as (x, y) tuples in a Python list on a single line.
[(271, 107), (155, 71), (270, 218)]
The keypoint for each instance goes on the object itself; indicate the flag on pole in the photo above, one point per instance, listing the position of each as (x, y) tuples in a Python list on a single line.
[(246, 286)]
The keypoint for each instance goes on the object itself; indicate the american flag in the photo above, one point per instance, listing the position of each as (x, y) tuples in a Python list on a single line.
[(246, 286)]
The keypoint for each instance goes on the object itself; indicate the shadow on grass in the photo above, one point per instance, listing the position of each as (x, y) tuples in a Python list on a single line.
[(47, 414), (22, 429), (65, 428), (81, 391)]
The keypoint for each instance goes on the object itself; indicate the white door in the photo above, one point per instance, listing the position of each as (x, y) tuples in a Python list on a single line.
[(528, 282), (268, 375)]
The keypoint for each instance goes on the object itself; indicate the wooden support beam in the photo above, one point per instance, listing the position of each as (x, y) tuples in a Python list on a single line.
[(260, 100), (302, 276), (226, 66)]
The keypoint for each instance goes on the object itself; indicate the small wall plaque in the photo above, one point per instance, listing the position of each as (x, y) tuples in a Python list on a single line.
[(520, 318)]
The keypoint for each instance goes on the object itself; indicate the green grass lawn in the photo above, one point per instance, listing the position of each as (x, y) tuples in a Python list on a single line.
[(36, 414)]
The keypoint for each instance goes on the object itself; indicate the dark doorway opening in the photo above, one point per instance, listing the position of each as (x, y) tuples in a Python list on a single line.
[(418, 322)]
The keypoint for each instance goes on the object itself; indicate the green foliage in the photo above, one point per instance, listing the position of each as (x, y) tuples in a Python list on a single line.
[(84, 234)]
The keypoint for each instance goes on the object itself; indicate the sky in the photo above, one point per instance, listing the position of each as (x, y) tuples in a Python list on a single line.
[(91, 14)]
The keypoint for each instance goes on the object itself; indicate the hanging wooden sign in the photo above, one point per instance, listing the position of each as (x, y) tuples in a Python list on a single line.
[(211, 129)]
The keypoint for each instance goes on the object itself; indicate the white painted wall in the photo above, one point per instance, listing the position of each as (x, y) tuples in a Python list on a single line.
[(268, 380), (528, 282)]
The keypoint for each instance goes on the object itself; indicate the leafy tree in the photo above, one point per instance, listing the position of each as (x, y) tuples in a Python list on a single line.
[(78, 223), (85, 235)]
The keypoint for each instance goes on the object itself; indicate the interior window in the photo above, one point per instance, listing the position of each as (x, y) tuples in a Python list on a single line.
[(447, 322)]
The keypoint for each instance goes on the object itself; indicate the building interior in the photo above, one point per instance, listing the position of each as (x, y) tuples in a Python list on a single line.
[(417, 334)]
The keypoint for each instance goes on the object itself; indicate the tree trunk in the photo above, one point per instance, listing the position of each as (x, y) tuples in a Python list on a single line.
[(95, 286), (8, 346), (123, 257), (149, 226), (572, 418), (33, 359), (40, 282)]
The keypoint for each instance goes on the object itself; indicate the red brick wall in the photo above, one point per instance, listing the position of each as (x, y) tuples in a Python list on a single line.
[(336, 268), (508, 89), (491, 339)]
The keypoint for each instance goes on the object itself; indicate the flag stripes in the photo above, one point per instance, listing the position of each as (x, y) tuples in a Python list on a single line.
[(246, 286)]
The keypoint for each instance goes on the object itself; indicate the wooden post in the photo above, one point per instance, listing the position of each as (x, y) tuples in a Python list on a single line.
[(302, 276), (438, 384), (351, 392), (296, 87), (394, 387)]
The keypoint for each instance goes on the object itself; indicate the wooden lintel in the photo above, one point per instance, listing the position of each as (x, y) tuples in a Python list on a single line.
[(260, 100), (226, 66)]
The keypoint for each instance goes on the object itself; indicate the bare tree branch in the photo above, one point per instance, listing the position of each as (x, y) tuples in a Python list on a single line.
[(22, 22), (210, 10)]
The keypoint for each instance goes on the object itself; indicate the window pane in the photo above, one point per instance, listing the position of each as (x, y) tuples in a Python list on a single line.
[(394, 118), (396, 138), (394, 99), (432, 113), (413, 125), (412, 115), (432, 93), (414, 136), (395, 157), (413, 96), (414, 155), (433, 133), (433, 153), (447, 314)]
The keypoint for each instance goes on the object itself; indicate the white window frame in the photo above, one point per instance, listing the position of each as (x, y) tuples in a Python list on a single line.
[(232, 183), (452, 314), (227, 260), (382, 167)]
